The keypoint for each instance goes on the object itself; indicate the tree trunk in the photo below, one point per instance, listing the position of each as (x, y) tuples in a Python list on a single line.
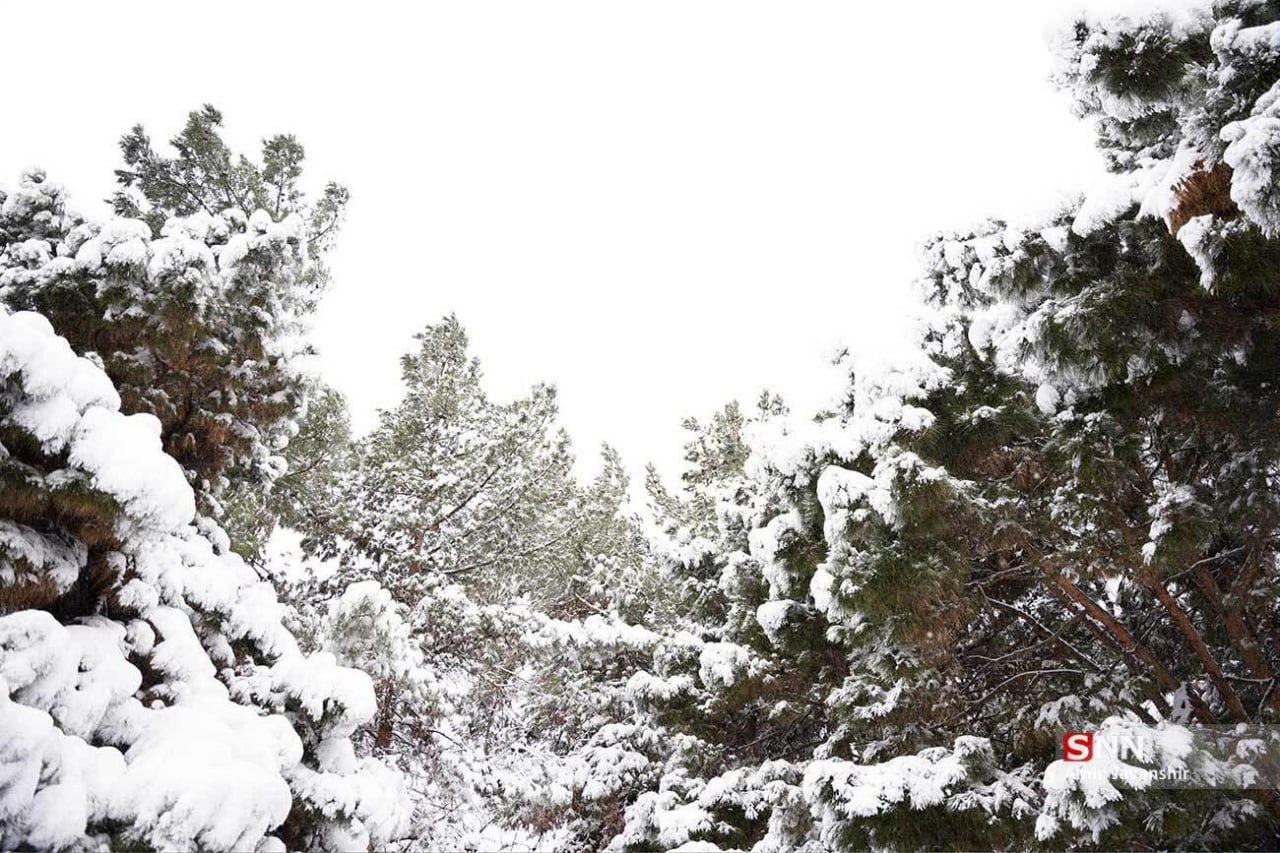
[(386, 716)]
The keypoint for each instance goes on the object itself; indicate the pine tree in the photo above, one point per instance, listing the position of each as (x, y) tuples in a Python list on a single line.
[(206, 177), (1060, 514), (193, 298), (136, 649), (451, 484)]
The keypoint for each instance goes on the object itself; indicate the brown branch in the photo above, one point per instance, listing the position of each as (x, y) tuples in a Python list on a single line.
[(1196, 642), (1055, 636), (1131, 646), (1236, 627)]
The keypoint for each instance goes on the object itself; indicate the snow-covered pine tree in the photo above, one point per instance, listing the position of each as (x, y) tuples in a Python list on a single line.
[(205, 176), (605, 569), (1060, 514), (452, 484), (1125, 498), (151, 697), (458, 527), (192, 298), (705, 697)]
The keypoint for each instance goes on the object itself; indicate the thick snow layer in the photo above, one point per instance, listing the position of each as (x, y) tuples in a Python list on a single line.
[(722, 665), (865, 790), (124, 455), (69, 405), (79, 684), (57, 386), (120, 242), (1253, 153), (594, 631), (671, 821), (1113, 195), (773, 616), (1048, 399), (828, 794)]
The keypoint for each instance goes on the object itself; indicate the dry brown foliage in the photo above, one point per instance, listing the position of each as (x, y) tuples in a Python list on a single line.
[(1204, 191)]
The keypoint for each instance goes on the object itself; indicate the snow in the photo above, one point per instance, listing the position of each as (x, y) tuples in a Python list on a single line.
[(124, 455), (1084, 794), (1161, 199), (723, 664), (56, 560), (593, 631), (821, 588), (327, 691), (1171, 502), (1234, 40), (1198, 237), (119, 242), (79, 679), (238, 794), (1048, 399), (180, 255), (33, 747), (69, 405), (57, 386), (773, 616), (1110, 198), (645, 685), (1253, 153), (840, 490), (103, 720), (671, 822), (920, 781), (766, 543), (236, 250)]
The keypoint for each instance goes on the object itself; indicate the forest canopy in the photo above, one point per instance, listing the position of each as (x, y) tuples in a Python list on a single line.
[(869, 627)]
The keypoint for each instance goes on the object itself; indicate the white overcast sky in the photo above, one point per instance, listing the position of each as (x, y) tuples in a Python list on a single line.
[(657, 206)]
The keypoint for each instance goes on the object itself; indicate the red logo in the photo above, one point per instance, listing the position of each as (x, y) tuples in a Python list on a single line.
[(1077, 746)]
